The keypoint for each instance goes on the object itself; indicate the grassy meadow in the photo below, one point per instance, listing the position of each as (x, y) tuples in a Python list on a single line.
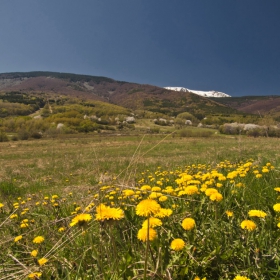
[(154, 206)]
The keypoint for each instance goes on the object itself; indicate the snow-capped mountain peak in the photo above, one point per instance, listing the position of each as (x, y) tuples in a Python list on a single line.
[(210, 93)]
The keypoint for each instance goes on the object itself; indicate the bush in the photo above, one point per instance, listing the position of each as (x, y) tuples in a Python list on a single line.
[(3, 137)]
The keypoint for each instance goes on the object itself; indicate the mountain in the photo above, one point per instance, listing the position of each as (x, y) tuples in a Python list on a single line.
[(211, 93), (128, 95)]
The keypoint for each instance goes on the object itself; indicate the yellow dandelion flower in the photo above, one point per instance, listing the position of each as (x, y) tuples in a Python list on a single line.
[(145, 188), (278, 225), (153, 222), (147, 207), (277, 189), (216, 196), (188, 223), (81, 220), (35, 275), (18, 238), (128, 192), (104, 212), (248, 225), (276, 207), (257, 213), (177, 244), (190, 190), (34, 253), (229, 213), (238, 277), (38, 239), (1, 205), (164, 212), (163, 198), (61, 229), (156, 189), (24, 225), (14, 216), (210, 191), (143, 234), (42, 261)]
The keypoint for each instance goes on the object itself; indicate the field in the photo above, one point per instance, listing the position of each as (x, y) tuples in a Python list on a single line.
[(151, 206)]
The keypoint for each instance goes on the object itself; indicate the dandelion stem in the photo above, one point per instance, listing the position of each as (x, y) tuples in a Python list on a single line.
[(147, 247)]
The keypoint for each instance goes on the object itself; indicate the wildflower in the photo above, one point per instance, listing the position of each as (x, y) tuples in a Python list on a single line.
[(229, 213), (38, 239), (190, 190), (14, 216), (257, 213), (35, 275), (143, 234), (248, 225), (147, 207), (104, 212), (276, 207), (18, 238), (238, 277), (61, 229), (163, 198), (81, 219), (42, 261), (34, 253), (277, 189), (177, 244), (1, 205), (164, 212), (24, 225), (145, 188), (216, 196), (278, 225), (153, 222), (210, 191), (188, 223)]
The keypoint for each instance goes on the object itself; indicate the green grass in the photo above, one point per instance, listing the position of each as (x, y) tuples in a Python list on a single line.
[(85, 171)]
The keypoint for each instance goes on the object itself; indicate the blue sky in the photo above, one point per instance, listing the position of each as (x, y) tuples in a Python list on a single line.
[(231, 46)]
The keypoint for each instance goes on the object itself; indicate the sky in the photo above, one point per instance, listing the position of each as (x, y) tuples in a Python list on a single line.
[(232, 46)]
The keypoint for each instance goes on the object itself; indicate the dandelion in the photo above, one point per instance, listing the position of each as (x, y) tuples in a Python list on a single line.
[(278, 225), (163, 198), (104, 212), (238, 277), (18, 238), (14, 216), (257, 213), (81, 220), (152, 222), (277, 189), (42, 261), (188, 223), (190, 190), (61, 229), (276, 207), (34, 253), (177, 244), (143, 234), (210, 191), (216, 196), (38, 239), (229, 213), (248, 225), (147, 207), (35, 275), (1, 205), (164, 212)]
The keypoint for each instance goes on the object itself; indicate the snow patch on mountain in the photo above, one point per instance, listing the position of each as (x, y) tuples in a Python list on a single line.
[(210, 93)]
